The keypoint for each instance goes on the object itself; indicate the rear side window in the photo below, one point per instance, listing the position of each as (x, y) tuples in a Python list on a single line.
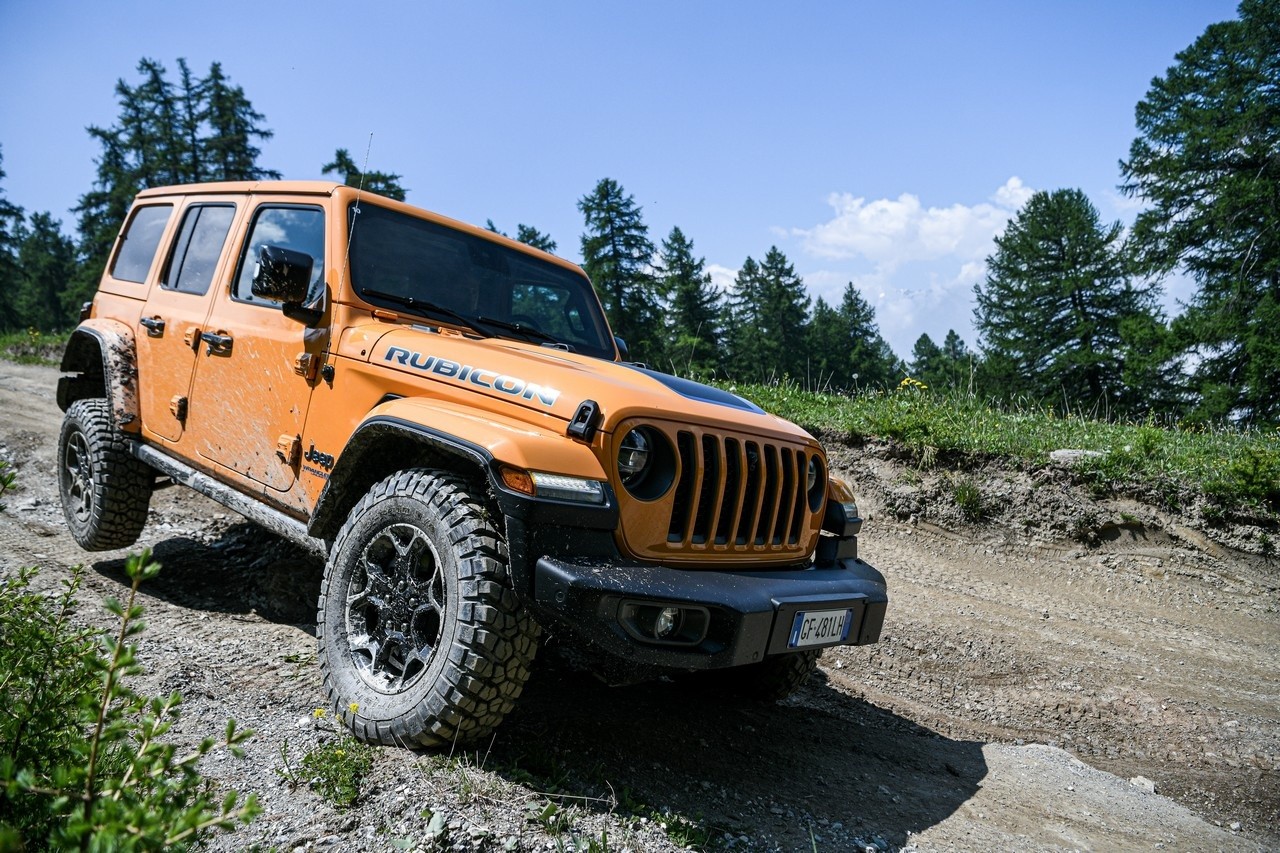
[(198, 247), (139, 242)]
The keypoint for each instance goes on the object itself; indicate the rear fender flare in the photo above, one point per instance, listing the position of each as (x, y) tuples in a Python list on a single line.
[(102, 357)]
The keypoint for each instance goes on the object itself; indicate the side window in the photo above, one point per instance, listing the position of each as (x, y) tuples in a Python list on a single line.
[(139, 242), (198, 247), (289, 227)]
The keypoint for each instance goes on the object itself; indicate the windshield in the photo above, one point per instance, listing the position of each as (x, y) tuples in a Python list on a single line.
[(403, 262)]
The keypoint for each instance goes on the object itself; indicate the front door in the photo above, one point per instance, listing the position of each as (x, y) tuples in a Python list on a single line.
[(253, 383)]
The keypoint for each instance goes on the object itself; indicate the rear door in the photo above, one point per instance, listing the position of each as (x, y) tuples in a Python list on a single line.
[(169, 330), (252, 388)]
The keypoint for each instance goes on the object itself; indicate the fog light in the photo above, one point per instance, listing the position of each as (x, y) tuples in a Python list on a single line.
[(665, 625)]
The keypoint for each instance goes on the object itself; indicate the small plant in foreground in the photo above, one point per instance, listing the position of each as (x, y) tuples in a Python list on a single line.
[(84, 765), (336, 768)]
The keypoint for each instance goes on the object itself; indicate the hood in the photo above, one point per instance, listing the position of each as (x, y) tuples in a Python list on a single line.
[(554, 382)]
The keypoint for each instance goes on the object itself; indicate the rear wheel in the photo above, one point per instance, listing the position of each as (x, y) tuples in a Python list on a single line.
[(422, 638), (105, 490)]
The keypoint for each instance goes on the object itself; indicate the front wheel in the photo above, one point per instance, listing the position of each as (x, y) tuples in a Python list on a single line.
[(105, 490), (423, 640)]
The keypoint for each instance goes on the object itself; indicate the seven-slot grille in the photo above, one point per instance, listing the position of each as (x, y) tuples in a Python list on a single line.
[(740, 494)]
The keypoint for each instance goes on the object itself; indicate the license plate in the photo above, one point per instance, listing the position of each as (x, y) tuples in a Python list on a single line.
[(820, 628)]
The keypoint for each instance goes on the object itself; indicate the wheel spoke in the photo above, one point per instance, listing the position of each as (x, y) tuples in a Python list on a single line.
[(395, 606)]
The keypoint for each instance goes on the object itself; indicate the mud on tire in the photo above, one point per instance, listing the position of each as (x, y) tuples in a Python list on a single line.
[(105, 490), (422, 640)]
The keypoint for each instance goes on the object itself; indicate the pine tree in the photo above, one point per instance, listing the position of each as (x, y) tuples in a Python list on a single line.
[(11, 219), (229, 152), (201, 130), (927, 363), (957, 362), (526, 234), (847, 351), (617, 256), (383, 183), (1053, 301), (1206, 163), (531, 236), (785, 316), (694, 350), (47, 259), (743, 325), (827, 341)]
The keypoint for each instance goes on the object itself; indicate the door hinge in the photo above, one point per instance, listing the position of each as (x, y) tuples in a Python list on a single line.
[(305, 365), (288, 448), (178, 407)]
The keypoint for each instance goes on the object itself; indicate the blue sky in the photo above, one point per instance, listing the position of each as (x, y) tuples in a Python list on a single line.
[(883, 144)]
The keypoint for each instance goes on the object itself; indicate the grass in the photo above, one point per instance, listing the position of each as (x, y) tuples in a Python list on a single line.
[(33, 346), (1231, 467)]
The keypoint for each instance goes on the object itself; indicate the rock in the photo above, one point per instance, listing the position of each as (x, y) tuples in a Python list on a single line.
[(1071, 457), (1142, 783)]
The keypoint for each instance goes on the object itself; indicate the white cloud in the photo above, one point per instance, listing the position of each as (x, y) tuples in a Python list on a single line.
[(721, 276), (915, 265), (891, 232)]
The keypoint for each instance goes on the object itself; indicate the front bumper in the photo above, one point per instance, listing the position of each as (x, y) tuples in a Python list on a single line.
[(749, 614)]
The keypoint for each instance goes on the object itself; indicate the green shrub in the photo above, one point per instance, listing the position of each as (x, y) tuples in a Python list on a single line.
[(968, 497), (84, 763), (336, 768)]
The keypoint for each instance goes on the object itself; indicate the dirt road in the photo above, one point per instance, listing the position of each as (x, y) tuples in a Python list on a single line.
[(1031, 667)]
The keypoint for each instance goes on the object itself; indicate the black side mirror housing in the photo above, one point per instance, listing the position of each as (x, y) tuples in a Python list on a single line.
[(282, 275), (623, 352)]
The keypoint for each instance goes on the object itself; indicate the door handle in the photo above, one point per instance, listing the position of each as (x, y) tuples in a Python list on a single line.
[(155, 326), (220, 344)]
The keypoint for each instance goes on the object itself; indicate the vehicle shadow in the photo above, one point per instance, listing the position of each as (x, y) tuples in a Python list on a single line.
[(822, 769), (245, 570)]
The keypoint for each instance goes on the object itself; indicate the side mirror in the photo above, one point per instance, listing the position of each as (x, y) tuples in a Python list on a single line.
[(623, 352), (282, 275)]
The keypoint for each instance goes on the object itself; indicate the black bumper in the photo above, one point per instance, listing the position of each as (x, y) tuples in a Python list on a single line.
[(749, 614)]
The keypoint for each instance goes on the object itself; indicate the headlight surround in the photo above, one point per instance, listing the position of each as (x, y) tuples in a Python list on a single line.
[(646, 463)]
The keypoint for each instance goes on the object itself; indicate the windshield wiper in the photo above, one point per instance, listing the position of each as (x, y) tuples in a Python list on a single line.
[(421, 305), (522, 329)]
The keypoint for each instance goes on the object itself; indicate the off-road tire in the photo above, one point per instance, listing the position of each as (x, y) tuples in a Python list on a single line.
[(771, 680), (422, 640), (105, 490)]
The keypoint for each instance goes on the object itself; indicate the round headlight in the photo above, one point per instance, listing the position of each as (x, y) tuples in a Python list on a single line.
[(817, 487), (633, 457)]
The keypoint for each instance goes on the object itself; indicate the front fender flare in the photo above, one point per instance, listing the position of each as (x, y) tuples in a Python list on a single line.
[(453, 435)]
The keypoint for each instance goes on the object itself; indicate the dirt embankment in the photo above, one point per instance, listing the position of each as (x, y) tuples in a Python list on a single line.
[(1032, 665)]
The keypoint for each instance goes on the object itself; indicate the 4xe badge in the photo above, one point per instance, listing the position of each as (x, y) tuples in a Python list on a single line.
[(324, 460)]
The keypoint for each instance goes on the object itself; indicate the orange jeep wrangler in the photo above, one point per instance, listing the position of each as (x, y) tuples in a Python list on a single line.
[(444, 417)]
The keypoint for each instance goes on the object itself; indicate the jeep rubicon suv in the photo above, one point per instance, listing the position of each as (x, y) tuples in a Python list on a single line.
[(444, 417)]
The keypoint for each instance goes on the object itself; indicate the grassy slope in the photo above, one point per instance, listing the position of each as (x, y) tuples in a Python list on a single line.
[(1234, 469), (33, 347)]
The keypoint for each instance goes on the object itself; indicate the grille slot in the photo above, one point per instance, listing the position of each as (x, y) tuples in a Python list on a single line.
[(738, 495)]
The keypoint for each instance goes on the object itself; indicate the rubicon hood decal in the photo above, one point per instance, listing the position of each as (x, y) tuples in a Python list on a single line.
[(479, 376)]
